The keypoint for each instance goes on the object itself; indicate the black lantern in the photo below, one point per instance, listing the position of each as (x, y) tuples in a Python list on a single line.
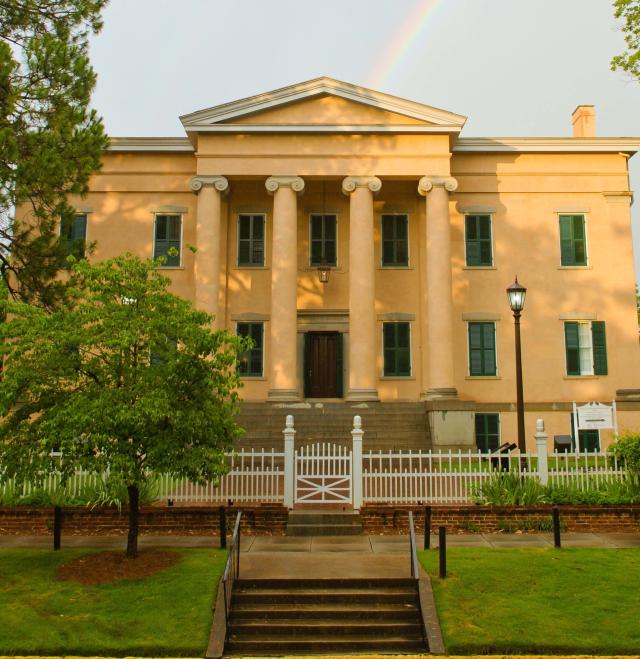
[(516, 294), (324, 271)]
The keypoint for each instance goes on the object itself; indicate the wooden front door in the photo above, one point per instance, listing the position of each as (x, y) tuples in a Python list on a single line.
[(323, 365)]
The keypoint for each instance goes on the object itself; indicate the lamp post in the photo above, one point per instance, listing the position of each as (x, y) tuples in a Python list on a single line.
[(516, 294)]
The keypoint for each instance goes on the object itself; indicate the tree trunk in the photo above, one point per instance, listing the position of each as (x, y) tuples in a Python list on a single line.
[(134, 514)]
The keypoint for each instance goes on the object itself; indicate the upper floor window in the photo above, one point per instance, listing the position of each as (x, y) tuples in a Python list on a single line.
[(573, 240), (396, 339), (586, 347), (482, 349), (395, 240), (251, 240), (250, 362), (478, 240), (323, 239), (73, 234), (168, 236)]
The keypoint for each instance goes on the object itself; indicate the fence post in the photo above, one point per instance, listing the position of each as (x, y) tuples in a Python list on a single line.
[(427, 527), (541, 451), (442, 546), (356, 462), (222, 520), (289, 457), (57, 527)]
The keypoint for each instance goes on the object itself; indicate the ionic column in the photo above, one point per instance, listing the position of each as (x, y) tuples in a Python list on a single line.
[(284, 281), (363, 374), (439, 320), (207, 260)]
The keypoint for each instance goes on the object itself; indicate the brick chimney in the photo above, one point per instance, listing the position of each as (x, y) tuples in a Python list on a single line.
[(583, 121)]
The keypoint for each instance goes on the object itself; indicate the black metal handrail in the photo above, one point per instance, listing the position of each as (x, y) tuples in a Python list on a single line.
[(415, 572), (231, 569)]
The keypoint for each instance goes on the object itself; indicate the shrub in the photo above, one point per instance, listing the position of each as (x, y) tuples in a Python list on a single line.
[(509, 489), (626, 449)]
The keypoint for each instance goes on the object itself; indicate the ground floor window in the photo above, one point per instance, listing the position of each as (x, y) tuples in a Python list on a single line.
[(588, 440), (250, 362), (487, 432), (396, 338)]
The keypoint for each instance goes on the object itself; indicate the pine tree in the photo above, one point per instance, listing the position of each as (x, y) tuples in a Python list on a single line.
[(50, 140)]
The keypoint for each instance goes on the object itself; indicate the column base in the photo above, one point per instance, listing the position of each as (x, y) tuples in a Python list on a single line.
[(283, 395), (362, 395), (442, 393)]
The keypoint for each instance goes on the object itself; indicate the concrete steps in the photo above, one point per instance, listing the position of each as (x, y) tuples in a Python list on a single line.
[(323, 616), (314, 523), (387, 426)]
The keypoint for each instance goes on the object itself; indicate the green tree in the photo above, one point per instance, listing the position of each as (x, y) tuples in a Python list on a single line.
[(50, 141), (629, 60), (124, 377)]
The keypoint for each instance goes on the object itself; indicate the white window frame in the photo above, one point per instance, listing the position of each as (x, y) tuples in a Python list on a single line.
[(380, 224), (492, 265), (337, 216), (153, 245), (585, 215), (247, 266), (397, 377), (495, 340)]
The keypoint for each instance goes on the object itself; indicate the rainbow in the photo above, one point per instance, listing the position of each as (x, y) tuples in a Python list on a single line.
[(402, 41)]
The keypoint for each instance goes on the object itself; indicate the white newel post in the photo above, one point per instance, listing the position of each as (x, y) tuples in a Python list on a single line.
[(289, 467), (356, 462), (541, 451)]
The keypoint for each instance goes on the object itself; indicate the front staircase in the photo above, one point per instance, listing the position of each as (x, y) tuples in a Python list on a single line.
[(325, 616), (323, 523)]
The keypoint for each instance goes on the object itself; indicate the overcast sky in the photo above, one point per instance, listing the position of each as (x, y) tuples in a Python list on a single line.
[(514, 67)]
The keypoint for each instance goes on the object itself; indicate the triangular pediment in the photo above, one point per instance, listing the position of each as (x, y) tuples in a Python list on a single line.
[(323, 104)]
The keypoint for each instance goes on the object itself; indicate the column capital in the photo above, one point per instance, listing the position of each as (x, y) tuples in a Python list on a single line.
[(296, 183), (427, 183), (220, 183), (352, 182)]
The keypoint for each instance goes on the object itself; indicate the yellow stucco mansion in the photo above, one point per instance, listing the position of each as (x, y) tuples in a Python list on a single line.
[(419, 231)]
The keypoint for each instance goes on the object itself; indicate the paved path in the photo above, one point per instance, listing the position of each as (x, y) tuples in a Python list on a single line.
[(363, 556)]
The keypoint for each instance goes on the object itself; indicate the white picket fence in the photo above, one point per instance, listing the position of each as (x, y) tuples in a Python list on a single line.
[(327, 473)]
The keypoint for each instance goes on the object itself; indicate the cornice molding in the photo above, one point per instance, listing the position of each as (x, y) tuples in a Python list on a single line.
[(219, 183), (321, 128), (273, 183), (547, 144), (321, 87), (350, 183), (182, 144), (427, 183)]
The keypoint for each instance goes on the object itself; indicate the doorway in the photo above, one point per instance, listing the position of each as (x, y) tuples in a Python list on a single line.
[(323, 365)]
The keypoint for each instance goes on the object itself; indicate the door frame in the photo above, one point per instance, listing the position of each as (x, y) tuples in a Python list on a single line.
[(339, 361)]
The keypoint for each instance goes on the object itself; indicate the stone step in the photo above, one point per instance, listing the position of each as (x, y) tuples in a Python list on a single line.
[(323, 596), (342, 611), (312, 645), (326, 627), (311, 530)]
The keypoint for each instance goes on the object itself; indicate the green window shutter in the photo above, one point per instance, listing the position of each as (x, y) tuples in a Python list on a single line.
[(482, 349), (566, 240), (73, 234), (395, 240), (572, 347), (250, 240), (579, 240), (479, 249), (250, 362), (599, 338), (487, 427), (396, 339), (167, 236)]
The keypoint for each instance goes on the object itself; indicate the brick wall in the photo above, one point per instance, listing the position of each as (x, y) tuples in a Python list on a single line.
[(256, 520), (389, 520)]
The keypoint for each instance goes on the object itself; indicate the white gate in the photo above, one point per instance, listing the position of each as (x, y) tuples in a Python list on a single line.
[(323, 474)]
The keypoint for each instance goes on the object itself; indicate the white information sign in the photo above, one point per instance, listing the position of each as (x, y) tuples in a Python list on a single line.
[(595, 416)]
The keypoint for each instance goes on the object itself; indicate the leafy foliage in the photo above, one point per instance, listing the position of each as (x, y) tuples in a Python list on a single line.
[(124, 377), (506, 489), (627, 449), (50, 141), (629, 60)]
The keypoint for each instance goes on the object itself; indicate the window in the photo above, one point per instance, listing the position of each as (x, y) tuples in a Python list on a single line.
[(573, 242), (251, 240), (482, 348), (586, 348), (158, 353), (168, 236), (395, 240), (73, 234), (250, 361), (323, 240), (396, 339), (589, 440), (487, 432), (477, 230)]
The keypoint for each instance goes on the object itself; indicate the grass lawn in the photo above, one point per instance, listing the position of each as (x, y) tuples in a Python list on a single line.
[(168, 614), (582, 601)]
